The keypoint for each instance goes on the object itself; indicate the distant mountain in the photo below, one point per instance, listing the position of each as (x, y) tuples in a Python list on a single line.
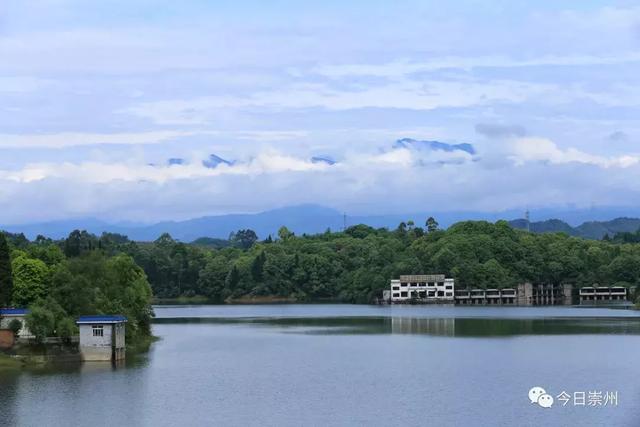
[(433, 145), (214, 161), (323, 159), (316, 219), (548, 226), (175, 161), (587, 230)]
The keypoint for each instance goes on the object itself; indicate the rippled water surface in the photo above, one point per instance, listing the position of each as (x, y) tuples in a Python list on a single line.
[(296, 365)]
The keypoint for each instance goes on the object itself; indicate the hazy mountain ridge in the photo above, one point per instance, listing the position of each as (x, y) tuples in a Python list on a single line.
[(587, 230), (316, 219)]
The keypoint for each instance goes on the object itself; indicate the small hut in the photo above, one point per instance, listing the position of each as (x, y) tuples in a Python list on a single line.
[(9, 314), (102, 337)]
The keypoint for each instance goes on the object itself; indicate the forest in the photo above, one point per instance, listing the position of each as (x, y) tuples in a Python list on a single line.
[(57, 285), (87, 272)]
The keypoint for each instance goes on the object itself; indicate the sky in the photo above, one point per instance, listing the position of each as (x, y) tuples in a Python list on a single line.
[(112, 109)]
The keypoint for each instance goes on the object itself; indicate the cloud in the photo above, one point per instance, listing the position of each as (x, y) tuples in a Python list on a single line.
[(361, 182), (268, 162), (290, 88), (404, 94), (496, 131), (22, 84), (532, 149), (71, 139), (398, 69)]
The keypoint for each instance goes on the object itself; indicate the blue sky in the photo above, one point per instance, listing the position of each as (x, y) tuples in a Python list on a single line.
[(97, 96)]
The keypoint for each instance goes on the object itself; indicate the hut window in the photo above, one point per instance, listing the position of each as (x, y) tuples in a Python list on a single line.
[(98, 330)]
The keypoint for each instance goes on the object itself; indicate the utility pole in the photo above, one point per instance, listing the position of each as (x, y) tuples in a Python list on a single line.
[(344, 221), (526, 217)]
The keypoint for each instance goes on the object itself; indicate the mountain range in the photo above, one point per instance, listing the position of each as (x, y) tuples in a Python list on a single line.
[(316, 219), (587, 230)]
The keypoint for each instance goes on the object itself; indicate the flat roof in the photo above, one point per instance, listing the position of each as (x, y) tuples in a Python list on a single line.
[(101, 318), (13, 311)]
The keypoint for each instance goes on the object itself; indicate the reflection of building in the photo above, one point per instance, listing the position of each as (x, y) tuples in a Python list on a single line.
[(102, 337), (422, 288), (9, 314), (412, 325)]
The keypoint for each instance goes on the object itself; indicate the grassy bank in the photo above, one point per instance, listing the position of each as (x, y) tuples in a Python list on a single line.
[(9, 363)]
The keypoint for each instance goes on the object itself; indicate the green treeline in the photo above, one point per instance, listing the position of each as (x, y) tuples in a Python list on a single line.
[(58, 282), (356, 265)]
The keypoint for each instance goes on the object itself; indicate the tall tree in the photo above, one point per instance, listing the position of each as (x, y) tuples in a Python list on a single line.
[(244, 239), (432, 224), (6, 275), (30, 277)]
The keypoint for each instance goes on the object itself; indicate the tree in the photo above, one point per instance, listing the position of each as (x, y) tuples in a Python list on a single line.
[(212, 277), (244, 239), (257, 267), (432, 224), (41, 322), (6, 275), (66, 328), (30, 278), (284, 234), (15, 326)]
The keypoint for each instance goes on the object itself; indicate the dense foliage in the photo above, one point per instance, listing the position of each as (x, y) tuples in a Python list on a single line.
[(350, 266), (6, 278), (59, 281)]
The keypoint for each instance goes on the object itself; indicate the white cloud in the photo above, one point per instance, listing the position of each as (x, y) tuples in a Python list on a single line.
[(22, 84), (365, 182), (404, 94), (71, 139), (405, 67), (270, 162), (544, 150)]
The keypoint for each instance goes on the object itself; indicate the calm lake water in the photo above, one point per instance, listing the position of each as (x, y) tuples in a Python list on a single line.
[(292, 365)]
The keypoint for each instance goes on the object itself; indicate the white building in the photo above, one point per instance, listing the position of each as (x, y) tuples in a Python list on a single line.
[(422, 288), (9, 314), (102, 337)]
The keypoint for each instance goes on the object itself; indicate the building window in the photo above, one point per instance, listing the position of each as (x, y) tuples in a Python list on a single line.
[(396, 288), (396, 295), (449, 294), (98, 330), (448, 287), (403, 294), (404, 285), (440, 293)]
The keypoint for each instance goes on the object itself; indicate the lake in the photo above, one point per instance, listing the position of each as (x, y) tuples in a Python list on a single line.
[(342, 365)]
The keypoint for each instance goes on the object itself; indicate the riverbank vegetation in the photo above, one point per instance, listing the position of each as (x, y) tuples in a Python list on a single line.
[(59, 282), (353, 265)]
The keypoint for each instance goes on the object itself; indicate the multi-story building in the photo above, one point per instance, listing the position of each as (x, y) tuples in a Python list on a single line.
[(422, 288)]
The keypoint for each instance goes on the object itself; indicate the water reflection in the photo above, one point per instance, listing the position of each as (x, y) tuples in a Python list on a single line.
[(450, 327), (409, 325), (311, 370), (8, 393)]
